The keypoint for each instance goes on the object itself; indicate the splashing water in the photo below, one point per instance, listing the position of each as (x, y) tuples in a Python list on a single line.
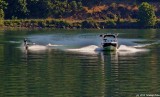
[(37, 48), (53, 45), (91, 49), (123, 49), (144, 45), (82, 44)]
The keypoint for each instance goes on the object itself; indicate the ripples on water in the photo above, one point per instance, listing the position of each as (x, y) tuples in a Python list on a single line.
[(70, 68)]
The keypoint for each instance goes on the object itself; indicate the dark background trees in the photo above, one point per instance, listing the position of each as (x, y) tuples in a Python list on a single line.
[(146, 15), (40, 9), (16, 8)]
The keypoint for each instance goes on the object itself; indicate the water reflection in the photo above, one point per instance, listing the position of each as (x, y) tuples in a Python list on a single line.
[(128, 75), (60, 73), (54, 72)]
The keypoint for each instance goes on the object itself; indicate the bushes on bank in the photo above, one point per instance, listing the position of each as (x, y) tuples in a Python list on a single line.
[(90, 24), (41, 23), (44, 23), (111, 23), (1, 17)]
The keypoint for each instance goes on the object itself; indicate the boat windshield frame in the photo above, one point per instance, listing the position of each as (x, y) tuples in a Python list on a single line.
[(109, 35)]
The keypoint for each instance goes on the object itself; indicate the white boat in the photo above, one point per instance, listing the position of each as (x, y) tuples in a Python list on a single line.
[(109, 42)]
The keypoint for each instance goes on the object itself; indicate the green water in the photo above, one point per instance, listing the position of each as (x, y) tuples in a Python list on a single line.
[(57, 72)]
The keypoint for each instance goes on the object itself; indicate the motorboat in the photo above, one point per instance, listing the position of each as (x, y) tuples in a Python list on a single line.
[(109, 42)]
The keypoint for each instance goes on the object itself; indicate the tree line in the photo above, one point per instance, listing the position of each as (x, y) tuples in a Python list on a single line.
[(41, 9), (46, 8)]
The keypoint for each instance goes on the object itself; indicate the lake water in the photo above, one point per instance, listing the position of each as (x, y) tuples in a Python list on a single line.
[(70, 63)]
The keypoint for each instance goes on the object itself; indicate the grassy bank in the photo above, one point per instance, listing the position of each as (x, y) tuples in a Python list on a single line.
[(74, 24)]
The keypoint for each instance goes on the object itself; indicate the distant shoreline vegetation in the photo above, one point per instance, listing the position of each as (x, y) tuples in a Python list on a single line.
[(75, 24), (73, 14)]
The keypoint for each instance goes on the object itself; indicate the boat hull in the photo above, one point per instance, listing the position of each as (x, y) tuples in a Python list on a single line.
[(110, 48)]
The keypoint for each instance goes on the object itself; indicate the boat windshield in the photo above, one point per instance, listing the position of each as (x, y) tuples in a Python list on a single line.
[(108, 38), (105, 36)]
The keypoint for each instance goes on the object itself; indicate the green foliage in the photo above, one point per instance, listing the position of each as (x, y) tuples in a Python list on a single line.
[(73, 5), (90, 24), (12, 23), (111, 23), (3, 4), (16, 8), (61, 24), (108, 24), (38, 8), (79, 5), (36, 23), (146, 15), (1, 14), (56, 23), (111, 15), (74, 9), (42, 8), (1, 17)]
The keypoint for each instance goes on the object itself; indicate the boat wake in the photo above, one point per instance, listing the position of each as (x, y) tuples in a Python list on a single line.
[(53, 45), (123, 49), (91, 49), (36, 48)]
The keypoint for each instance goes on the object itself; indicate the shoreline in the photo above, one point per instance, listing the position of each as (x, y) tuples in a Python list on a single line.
[(73, 24)]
